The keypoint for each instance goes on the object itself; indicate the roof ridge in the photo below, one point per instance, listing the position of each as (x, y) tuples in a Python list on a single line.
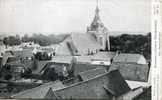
[(75, 84)]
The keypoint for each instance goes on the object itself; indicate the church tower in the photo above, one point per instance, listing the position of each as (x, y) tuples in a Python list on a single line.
[(98, 30)]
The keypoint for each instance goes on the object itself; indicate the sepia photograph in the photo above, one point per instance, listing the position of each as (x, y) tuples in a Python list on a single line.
[(75, 49)]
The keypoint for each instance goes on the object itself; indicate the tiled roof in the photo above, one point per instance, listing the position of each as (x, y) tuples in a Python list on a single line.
[(87, 75), (38, 92), (95, 88)]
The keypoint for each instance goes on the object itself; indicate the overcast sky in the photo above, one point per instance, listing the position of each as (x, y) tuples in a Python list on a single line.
[(73, 15)]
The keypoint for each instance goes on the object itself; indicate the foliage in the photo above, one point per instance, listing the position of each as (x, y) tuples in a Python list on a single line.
[(12, 40), (44, 40), (132, 44)]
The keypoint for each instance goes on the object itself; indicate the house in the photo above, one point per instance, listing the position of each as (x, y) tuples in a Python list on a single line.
[(39, 92), (106, 86), (132, 66)]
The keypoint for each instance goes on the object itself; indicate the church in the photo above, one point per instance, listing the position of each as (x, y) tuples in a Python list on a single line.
[(94, 40)]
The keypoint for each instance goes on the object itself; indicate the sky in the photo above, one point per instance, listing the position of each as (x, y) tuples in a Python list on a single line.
[(65, 16)]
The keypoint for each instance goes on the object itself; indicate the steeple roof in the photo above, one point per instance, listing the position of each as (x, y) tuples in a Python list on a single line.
[(97, 24)]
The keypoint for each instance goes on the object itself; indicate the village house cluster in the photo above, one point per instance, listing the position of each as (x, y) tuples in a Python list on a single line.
[(80, 67)]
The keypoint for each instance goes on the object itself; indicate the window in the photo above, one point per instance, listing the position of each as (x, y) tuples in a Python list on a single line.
[(100, 40)]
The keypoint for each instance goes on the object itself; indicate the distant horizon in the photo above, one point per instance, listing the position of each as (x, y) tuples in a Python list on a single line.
[(112, 33)]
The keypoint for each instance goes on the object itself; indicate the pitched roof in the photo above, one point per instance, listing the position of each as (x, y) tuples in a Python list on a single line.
[(131, 71), (128, 58), (38, 92), (63, 48), (87, 75), (116, 84), (94, 88)]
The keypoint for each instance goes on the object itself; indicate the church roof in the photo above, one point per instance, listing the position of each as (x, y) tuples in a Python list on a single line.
[(97, 24), (85, 42)]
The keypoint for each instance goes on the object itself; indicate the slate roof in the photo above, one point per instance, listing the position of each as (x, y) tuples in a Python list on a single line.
[(116, 84), (127, 58), (38, 92), (83, 42), (131, 71), (78, 44), (63, 48), (87, 75), (95, 88)]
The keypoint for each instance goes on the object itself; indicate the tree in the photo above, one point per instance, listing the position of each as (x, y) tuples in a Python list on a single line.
[(12, 40), (5, 41)]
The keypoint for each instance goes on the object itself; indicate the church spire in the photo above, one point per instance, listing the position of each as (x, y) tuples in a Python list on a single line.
[(99, 31), (97, 9), (97, 17)]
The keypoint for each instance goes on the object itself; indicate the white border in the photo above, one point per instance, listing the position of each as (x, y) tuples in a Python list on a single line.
[(156, 50)]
